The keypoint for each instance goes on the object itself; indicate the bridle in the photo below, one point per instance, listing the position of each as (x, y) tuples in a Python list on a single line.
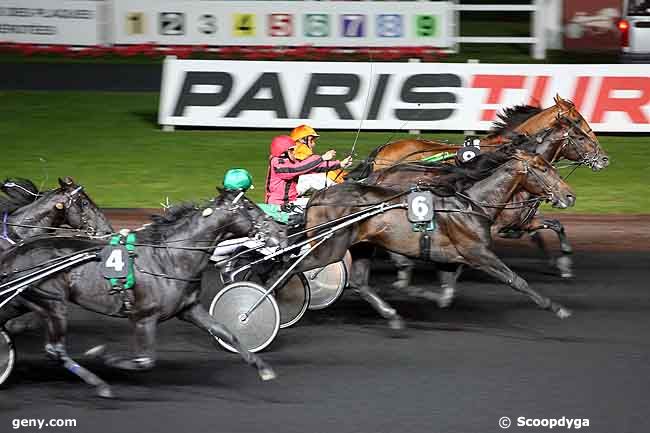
[(75, 198), (588, 159)]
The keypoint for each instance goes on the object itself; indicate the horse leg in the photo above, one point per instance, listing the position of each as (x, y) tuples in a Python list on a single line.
[(564, 263), (360, 277), (55, 315), (197, 315), (144, 355), (448, 275), (489, 263), (404, 270)]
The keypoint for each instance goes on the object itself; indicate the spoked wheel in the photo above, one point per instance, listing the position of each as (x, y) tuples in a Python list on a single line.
[(293, 299), (327, 284), (7, 356), (255, 330)]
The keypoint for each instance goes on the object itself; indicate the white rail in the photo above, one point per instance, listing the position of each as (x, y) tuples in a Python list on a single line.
[(537, 40)]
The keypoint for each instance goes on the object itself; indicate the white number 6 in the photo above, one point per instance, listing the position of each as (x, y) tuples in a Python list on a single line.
[(420, 208)]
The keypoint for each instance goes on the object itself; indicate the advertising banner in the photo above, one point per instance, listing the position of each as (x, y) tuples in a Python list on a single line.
[(64, 22), (427, 96), (283, 23), (591, 25)]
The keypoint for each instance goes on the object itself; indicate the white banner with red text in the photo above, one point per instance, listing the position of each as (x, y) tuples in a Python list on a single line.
[(60, 22), (426, 96)]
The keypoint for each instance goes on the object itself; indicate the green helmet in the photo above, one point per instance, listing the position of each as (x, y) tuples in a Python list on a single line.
[(237, 178)]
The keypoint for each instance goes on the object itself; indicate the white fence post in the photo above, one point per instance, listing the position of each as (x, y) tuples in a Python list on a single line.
[(414, 131), (538, 49)]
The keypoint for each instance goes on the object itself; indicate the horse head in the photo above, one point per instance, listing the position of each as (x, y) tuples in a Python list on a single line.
[(250, 220), (581, 144), (540, 178), (75, 208)]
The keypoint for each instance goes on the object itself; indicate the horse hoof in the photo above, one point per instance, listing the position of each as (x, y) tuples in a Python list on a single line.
[(96, 352), (400, 285), (396, 324), (267, 373), (563, 313), (104, 391)]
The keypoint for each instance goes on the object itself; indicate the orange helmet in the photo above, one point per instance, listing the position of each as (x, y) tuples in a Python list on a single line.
[(303, 131)]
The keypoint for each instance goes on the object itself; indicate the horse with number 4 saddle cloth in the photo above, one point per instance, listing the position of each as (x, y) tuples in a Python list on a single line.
[(148, 276)]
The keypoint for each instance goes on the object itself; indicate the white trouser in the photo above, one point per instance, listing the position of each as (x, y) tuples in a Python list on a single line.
[(313, 181), (224, 249)]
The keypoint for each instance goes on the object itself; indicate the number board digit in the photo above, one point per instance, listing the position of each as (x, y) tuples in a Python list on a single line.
[(243, 25), (135, 23), (425, 25), (171, 23), (317, 25), (389, 26), (420, 206), (280, 25), (208, 24), (115, 261), (353, 26)]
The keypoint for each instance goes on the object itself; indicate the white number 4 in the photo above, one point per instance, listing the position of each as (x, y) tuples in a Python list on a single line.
[(115, 261)]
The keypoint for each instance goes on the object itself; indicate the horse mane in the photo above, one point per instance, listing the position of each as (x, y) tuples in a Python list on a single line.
[(511, 117), (167, 223), (448, 179), (15, 197)]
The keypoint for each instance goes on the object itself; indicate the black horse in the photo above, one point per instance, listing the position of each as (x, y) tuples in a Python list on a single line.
[(25, 211), (171, 253)]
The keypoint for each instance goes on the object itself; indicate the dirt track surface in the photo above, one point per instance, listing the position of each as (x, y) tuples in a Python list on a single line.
[(459, 370), (585, 232)]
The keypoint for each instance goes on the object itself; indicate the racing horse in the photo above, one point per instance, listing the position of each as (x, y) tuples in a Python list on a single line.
[(467, 202), (26, 211), (559, 141), (522, 119), (171, 253)]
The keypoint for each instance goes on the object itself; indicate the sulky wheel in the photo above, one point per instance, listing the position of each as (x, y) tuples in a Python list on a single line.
[(7, 356), (293, 299), (233, 302), (327, 284)]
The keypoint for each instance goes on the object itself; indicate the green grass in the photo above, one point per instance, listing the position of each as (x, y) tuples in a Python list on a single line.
[(110, 143)]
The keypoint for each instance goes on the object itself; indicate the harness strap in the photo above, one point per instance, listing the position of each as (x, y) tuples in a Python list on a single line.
[(5, 232)]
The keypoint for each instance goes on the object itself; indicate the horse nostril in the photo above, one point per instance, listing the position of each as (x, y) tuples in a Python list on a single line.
[(571, 199)]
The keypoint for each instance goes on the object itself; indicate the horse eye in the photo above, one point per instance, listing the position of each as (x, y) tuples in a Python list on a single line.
[(85, 203)]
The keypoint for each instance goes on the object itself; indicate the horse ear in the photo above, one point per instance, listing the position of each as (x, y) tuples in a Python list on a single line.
[(59, 206)]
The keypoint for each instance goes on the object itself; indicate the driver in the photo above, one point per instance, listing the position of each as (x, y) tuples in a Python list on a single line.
[(235, 179), (285, 168), (305, 137)]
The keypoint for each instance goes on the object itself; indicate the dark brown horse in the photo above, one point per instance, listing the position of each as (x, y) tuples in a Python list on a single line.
[(517, 120), (560, 141), (467, 204)]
